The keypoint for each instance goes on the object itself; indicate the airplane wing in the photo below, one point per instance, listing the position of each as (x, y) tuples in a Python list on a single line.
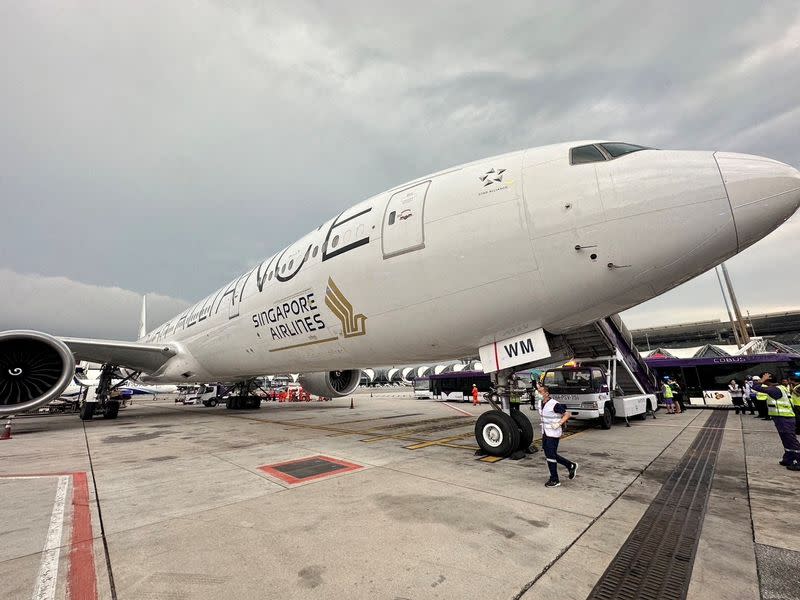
[(133, 355)]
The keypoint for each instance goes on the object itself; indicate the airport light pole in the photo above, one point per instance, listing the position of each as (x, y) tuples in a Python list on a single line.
[(735, 303), (728, 308)]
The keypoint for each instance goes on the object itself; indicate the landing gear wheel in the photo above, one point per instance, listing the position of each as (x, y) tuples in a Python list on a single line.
[(525, 430), (87, 411), (232, 403), (112, 410), (606, 419), (497, 433)]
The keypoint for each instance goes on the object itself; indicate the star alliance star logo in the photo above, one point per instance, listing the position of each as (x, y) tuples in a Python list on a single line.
[(492, 176)]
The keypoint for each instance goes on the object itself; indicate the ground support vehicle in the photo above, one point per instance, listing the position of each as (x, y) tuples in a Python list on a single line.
[(600, 389)]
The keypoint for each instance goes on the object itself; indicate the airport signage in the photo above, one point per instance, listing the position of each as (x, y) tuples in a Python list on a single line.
[(518, 350)]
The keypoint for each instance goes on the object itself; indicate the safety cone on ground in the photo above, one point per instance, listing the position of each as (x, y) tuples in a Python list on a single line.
[(6, 435), (351, 402)]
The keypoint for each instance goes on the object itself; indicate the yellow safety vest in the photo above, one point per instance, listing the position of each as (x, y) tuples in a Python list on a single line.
[(796, 396), (667, 391), (762, 397), (782, 407)]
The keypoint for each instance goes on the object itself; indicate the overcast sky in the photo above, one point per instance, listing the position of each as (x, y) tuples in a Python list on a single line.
[(165, 147)]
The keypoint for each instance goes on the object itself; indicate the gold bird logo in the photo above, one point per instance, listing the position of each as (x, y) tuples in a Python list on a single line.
[(352, 324)]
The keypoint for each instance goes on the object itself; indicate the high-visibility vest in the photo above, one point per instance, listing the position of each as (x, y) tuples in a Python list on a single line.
[(796, 396), (762, 397), (667, 392), (782, 407), (551, 420)]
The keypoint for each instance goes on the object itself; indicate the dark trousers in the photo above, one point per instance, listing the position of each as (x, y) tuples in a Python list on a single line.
[(761, 407), (679, 400), (550, 447), (791, 446), (738, 404), (749, 402)]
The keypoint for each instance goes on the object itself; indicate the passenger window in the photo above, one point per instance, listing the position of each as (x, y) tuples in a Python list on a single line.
[(314, 253), (585, 154), (335, 241), (392, 215)]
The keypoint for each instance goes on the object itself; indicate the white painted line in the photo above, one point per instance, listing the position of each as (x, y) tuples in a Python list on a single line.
[(48, 569), (461, 410)]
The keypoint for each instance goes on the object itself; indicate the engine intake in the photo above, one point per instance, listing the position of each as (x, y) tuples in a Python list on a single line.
[(331, 384), (34, 369)]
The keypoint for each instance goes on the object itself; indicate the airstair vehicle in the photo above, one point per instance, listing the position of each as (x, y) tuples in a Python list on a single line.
[(607, 376)]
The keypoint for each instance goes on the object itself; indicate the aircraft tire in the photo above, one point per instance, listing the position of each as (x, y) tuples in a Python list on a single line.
[(607, 418), (525, 430), (497, 433), (112, 410), (232, 403), (87, 411)]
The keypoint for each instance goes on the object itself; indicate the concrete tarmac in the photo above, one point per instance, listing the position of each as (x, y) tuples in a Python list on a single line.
[(172, 501)]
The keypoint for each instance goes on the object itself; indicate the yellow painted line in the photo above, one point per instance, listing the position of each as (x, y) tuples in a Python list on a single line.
[(439, 442)]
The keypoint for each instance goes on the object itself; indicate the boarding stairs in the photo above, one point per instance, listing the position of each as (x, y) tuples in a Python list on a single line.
[(609, 337)]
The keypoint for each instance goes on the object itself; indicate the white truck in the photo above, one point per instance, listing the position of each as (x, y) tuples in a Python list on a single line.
[(207, 395), (600, 389)]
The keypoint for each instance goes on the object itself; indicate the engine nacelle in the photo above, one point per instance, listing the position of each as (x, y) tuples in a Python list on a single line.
[(34, 369), (331, 384)]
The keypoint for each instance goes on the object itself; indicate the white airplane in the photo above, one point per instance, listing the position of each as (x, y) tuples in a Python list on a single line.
[(495, 255)]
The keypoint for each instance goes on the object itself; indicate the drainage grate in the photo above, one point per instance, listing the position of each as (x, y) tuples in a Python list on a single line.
[(656, 560), (305, 469)]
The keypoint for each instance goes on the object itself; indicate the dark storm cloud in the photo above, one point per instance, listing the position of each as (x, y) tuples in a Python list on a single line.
[(166, 147)]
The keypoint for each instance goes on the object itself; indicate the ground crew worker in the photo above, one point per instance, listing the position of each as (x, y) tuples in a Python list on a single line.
[(475, 394), (761, 399), (554, 415), (794, 396), (748, 395), (796, 403), (677, 396), (780, 409), (667, 392), (736, 393)]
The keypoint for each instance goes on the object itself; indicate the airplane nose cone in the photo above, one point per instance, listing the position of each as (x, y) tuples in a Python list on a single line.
[(763, 193)]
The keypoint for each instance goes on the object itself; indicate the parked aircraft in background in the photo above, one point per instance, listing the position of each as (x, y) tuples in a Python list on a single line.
[(521, 247)]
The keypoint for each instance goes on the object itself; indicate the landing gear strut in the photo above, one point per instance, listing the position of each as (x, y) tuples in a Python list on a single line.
[(503, 431)]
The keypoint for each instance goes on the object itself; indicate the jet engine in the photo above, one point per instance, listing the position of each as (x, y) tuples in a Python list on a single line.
[(34, 369), (331, 384)]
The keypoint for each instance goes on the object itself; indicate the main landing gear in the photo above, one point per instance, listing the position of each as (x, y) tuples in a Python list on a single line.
[(503, 431), (107, 398), (243, 397)]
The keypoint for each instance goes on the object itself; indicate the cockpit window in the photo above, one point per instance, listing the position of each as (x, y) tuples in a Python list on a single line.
[(616, 149), (585, 154)]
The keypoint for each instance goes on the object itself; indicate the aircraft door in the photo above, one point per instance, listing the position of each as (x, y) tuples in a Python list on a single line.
[(403, 226), (233, 307)]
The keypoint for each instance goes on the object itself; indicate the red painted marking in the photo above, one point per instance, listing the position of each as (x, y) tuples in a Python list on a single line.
[(272, 470), (496, 358), (82, 576)]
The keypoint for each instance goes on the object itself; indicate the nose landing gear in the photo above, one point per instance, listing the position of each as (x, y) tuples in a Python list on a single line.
[(503, 431)]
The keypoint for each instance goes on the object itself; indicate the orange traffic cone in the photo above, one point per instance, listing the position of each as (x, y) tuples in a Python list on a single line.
[(6, 435)]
